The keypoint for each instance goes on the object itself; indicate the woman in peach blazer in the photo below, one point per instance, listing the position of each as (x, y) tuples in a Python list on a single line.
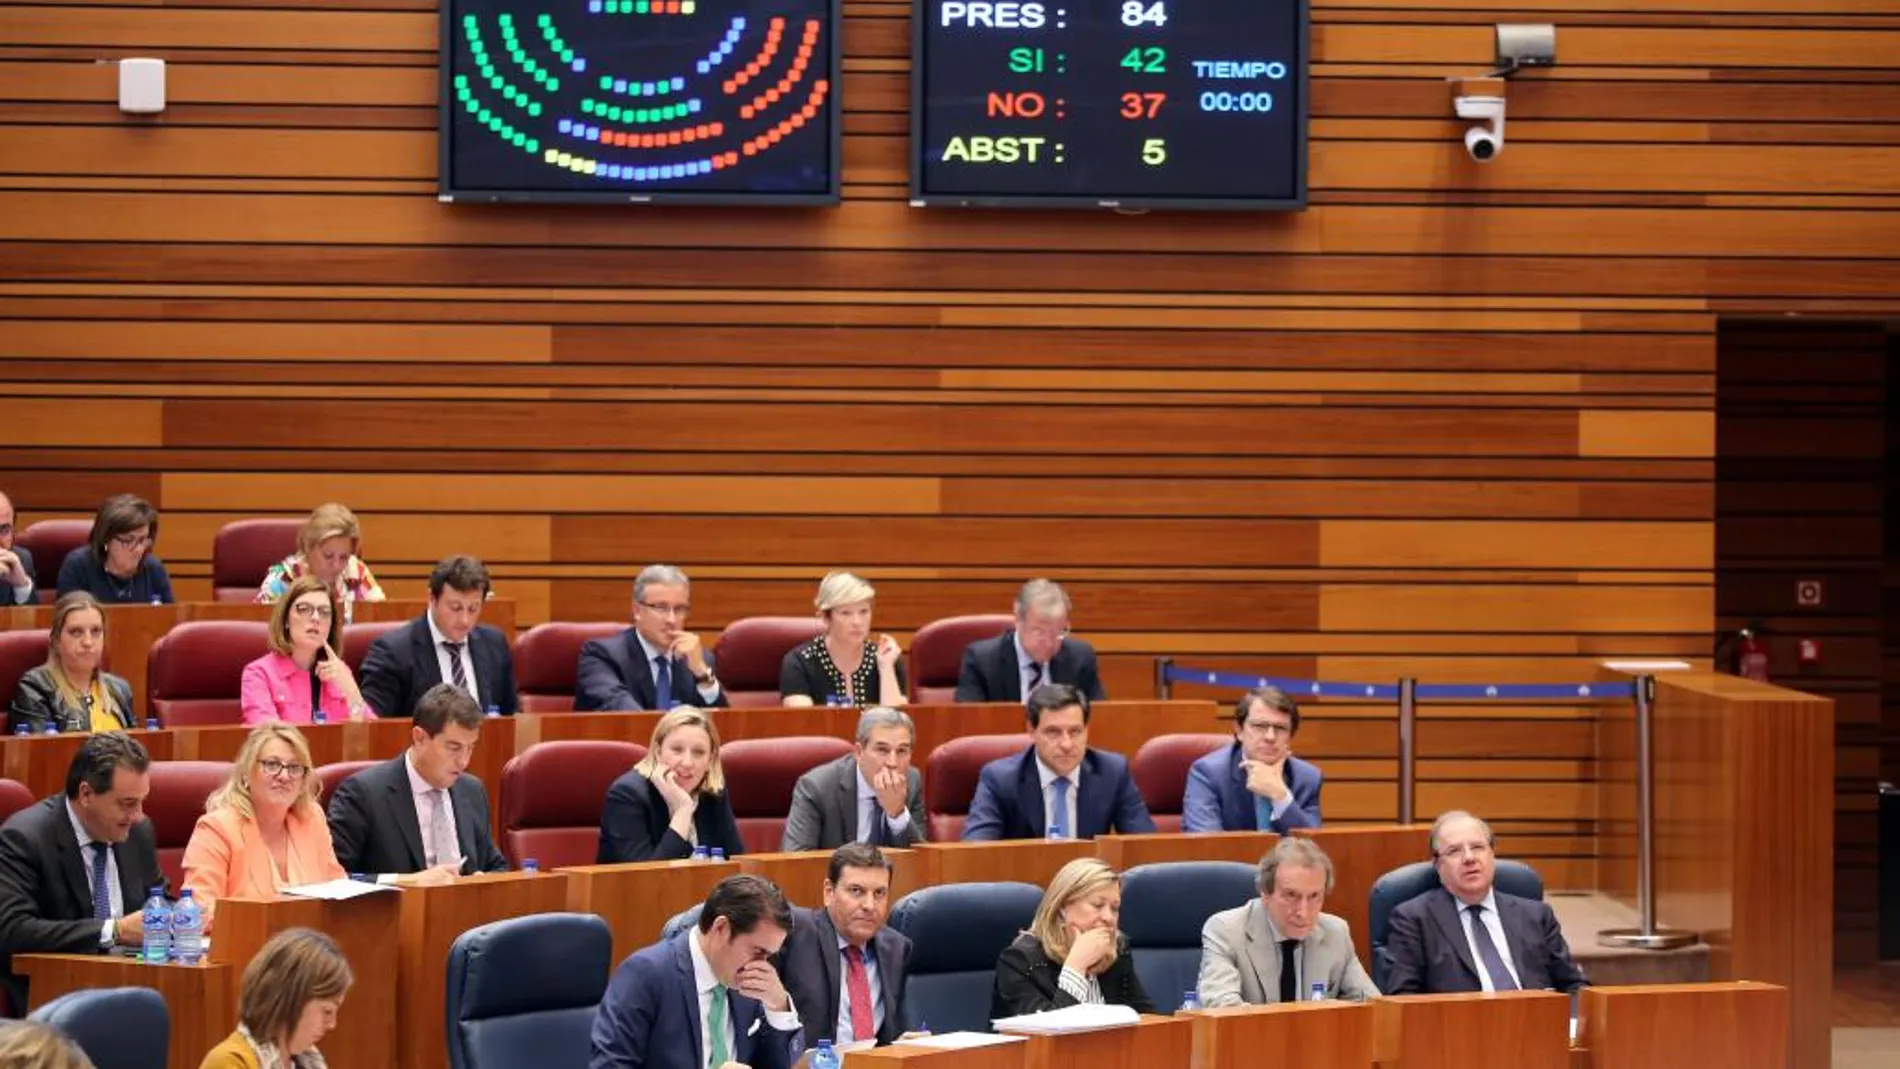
[(263, 830)]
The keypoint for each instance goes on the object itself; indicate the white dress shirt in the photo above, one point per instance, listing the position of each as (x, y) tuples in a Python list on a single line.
[(1048, 777), (843, 1032), (108, 935), (427, 797), (704, 983), (895, 827), (23, 593), (1495, 925), (436, 639), (708, 691)]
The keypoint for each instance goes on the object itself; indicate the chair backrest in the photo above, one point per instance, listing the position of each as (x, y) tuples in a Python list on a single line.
[(14, 796), (50, 541), (20, 653), (1407, 882), (552, 794), (679, 922), (176, 801), (332, 775), (117, 1027), (1160, 770), (750, 650), (760, 775), (243, 551), (936, 653), (523, 991), (1163, 909), (950, 778), (356, 641), (195, 671), (956, 931), (548, 657)]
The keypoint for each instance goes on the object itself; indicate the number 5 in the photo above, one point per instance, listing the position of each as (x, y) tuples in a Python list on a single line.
[(1154, 152)]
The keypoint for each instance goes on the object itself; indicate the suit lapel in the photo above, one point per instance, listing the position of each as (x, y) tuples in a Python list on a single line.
[(1510, 918), (688, 990), (1012, 671), (481, 661), (401, 804), (828, 955), (460, 803), (1262, 956), (428, 667), (848, 797), (72, 860), (1029, 797), (1088, 790), (1444, 910), (640, 680)]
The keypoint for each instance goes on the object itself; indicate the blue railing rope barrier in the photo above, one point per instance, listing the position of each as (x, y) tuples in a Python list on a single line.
[(1620, 690)]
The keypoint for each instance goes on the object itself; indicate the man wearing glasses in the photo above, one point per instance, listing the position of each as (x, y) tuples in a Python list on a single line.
[(1256, 784), (656, 663), (16, 565), (1038, 650), (1465, 935)]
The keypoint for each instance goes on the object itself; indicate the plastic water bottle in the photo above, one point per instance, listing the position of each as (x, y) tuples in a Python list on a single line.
[(23, 728), (188, 929), (151, 723), (1191, 1000), (718, 853), (702, 852), (494, 710), (824, 1057), (318, 716), (1319, 991), (52, 728), (529, 864), (157, 919)]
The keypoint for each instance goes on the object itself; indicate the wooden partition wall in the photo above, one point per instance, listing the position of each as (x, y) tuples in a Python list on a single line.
[(1453, 421)]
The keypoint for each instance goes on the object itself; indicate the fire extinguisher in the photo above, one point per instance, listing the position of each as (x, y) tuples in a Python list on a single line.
[(1751, 657)]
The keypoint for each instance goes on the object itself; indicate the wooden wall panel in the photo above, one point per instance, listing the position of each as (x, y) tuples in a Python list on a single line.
[(1452, 421)]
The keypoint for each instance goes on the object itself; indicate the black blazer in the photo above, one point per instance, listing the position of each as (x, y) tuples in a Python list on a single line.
[(990, 672), (812, 968), (36, 703), (45, 903), (374, 828), (1026, 981), (1429, 954), (401, 666), (634, 824), (614, 676)]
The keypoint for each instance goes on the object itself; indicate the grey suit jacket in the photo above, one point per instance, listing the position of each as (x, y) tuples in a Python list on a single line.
[(1240, 960), (825, 808)]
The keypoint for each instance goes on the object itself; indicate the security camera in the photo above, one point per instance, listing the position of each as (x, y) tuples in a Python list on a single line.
[(1486, 141)]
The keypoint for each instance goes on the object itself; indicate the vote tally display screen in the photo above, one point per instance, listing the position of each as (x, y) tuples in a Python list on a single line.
[(1196, 103)]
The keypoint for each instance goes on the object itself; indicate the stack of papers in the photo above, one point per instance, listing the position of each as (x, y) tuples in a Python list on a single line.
[(962, 1040), (336, 890), (1083, 1017)]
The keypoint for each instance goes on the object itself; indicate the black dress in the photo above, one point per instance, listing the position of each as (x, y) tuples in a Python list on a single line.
[(1026, 981), (809, 670)]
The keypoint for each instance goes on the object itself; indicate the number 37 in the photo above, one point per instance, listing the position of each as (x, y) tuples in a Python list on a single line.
[(1154, 151)]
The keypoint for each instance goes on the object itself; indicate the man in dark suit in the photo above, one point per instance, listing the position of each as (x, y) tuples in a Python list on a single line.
[(16, 564), (1037, 651), (708, 999), (1256, 784), (871, 796), (447, 645), (844, 967), (1465, 935), (656, 663), (420, 819), (1059, 788), (75, 869)]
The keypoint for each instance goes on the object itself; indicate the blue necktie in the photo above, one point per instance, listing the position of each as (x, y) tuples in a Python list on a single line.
[(1262, 814), (663, 683), (1059, 823), (101, 890), (1488, 956)]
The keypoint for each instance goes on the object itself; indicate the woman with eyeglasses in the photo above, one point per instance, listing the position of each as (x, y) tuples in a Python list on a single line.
[(263, 830), (303, 672), (116, 565), (327, 548), (70, 690)]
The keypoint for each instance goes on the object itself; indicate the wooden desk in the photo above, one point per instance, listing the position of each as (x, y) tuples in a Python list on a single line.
[(432, 918), (1152, 1043), (1022, 860), (1360, 856), (199, 998), (364, 929), (904, 1056), (40, 761), (1124, 852), (802, 875), (1668, 1026), (637, 898), (1521, 1029), (1313, 1035)]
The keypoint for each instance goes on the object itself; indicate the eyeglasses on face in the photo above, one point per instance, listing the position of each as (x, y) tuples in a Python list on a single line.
[(680, 610), (308, 609), (288, 769), (1267, 728), (132, 541), (1453, 853)]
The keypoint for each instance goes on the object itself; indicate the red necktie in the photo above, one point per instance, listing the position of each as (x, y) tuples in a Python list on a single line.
[(858, 985)]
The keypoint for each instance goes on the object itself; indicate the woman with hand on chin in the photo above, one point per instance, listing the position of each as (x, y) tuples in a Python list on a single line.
[(1072, 952), (674, 799), (844, 662), (303, 672)]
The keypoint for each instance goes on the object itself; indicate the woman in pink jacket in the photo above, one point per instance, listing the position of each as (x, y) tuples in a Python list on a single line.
[(303, 670)]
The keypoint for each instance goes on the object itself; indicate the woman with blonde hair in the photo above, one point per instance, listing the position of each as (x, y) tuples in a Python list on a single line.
[(1073, 951), (843, 666), (302, 672), (70, 690), (32, 1045), (263, 830), (327, 548), (674, 799), (288, 1001)]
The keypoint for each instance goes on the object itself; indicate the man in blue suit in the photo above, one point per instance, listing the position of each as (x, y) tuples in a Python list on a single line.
[(1256, 784), (1059, 788), (709, 999), (656, 663)]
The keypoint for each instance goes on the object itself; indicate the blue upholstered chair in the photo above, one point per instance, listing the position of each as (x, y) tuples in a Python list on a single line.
[(117, 1027), (1163, 909), (523, 991), (1407, 882), (956, 932), (679, 922)]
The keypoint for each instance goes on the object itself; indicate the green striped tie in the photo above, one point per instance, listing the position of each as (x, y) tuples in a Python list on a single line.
[(716, 1027)]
